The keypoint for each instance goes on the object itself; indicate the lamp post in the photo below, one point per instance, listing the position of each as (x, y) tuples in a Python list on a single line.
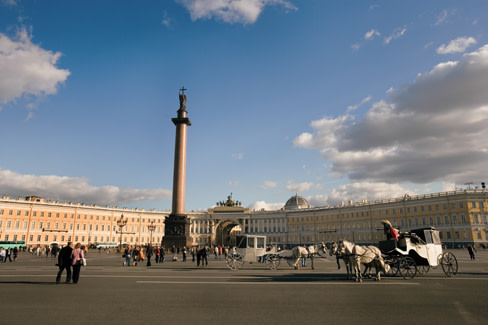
[(121, 223), (151, 228)]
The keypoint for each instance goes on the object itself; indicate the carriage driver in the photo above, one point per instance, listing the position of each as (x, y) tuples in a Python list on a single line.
[(390, 232)]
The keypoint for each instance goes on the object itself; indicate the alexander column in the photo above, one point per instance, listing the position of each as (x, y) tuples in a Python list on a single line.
[(177, 231)]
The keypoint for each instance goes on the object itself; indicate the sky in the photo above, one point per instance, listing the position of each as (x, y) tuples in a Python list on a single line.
[(335, 101)]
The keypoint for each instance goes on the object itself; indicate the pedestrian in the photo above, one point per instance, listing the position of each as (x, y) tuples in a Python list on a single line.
[(64, 262), (135, 255), (161, 254), (2, 254), (77, 257), (15, 252), (127, 255), (156, 258), (184, 254), (149, 253), (192, 251), (173, 251), (204, 255), (8, 254), (471, 251), (199, 255)]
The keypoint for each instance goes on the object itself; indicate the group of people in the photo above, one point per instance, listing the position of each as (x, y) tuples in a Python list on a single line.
[(9, 254), (70, 258), (135, 254)]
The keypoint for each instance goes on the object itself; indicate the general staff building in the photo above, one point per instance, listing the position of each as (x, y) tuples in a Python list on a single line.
[(460, 216)]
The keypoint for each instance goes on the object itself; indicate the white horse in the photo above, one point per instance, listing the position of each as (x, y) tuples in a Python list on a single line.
[(336, 249), (367, 255), (299, 252)]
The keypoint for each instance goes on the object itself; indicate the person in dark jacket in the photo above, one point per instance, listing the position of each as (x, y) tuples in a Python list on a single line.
[(64, 262), (149, 254)]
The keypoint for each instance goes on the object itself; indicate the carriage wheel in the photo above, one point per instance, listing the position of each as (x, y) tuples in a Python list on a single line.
[(272, 262), (449, 264), (407, 267), (393, 263), (423, 269), (234, 261)]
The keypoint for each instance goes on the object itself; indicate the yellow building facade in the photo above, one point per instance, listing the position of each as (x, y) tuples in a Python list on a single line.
[(460, 216)]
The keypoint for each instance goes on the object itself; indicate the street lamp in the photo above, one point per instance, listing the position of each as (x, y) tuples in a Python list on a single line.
[(121, 223), (151, 228)]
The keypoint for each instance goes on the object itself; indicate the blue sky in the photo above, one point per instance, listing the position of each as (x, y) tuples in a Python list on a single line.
[(333, 100)]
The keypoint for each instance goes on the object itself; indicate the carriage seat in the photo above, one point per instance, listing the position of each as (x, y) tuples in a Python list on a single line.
[(402, 244), (387, 246)]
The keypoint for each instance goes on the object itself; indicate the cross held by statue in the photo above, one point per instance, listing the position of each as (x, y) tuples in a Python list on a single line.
[(182, 90)]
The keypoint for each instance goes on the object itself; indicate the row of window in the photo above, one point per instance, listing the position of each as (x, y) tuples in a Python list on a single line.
[(91, 227), (66, 238), (385, 212), (85, 217), (362, 237)]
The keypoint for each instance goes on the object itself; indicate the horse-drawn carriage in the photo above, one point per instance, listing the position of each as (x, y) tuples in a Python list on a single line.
[(252, 249), (416, 252)]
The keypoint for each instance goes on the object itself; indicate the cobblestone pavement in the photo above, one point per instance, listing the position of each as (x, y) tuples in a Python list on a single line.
[(181, 293)]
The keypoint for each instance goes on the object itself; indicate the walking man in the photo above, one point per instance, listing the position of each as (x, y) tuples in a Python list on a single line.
[(64, 262)]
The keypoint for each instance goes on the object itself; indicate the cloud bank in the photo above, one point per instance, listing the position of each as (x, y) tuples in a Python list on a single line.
[(433, 129), (26, 69), (77, 189), (231, 11)]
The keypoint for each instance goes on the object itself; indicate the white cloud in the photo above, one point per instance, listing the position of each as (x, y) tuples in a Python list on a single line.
[(260, 205), (357, 192), (397, 33), (268, 184), (10, 2), (166, 20), (27, 69), (69, 189), (301, 187), (458, 45), (231, 11), (371, 34), (355, 107), (442, 17), (233, 183), (432, 130)]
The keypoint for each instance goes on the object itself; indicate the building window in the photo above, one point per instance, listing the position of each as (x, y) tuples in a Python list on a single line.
[(476, 220)]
